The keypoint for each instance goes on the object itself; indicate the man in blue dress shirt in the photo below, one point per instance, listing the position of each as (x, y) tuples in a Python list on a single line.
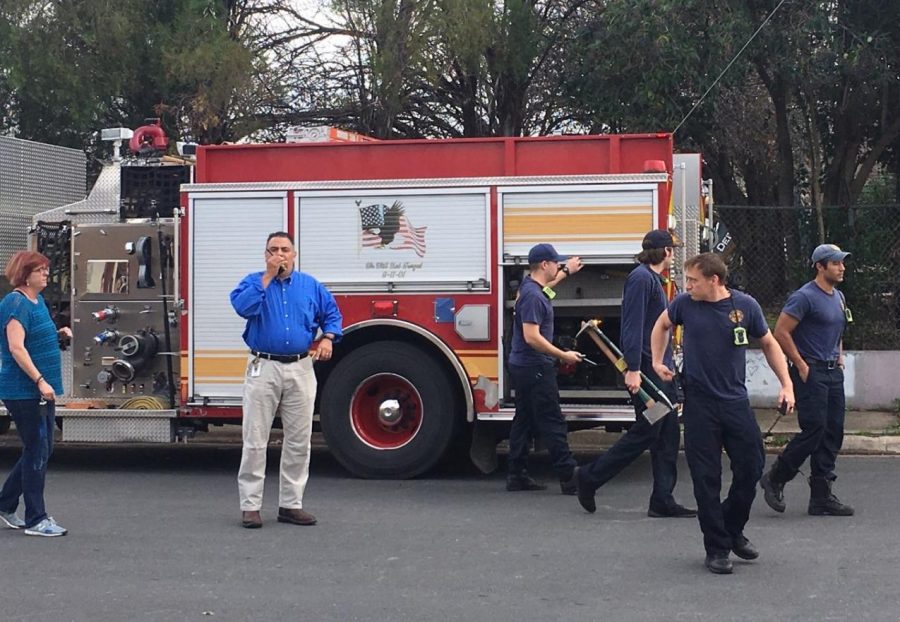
[(285, 310)]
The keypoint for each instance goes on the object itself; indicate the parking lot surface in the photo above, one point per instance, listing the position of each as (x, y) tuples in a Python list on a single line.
[(155, 535)]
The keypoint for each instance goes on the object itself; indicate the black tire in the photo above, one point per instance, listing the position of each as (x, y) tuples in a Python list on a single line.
[(4, 424), (355, 377)]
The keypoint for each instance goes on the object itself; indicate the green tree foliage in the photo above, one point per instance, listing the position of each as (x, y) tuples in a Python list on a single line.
[(805, 114), (456, 67), (73, 66)]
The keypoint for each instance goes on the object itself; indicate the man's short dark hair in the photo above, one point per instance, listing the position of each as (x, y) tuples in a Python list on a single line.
[(709, 265), (280, 234)]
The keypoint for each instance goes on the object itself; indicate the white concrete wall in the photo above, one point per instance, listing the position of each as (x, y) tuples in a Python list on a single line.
[(871, 380)]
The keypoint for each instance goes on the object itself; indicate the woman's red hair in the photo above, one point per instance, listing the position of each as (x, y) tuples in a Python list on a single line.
[(22, 264)]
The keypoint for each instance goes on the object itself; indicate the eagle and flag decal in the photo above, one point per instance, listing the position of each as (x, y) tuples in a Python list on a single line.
[(389, 227)]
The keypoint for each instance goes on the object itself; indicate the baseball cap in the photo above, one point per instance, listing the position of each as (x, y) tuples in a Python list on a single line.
[(544, 252), (659, 238), (828, 252)]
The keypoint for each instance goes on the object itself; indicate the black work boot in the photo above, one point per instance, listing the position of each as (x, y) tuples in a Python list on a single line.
[(743, 548), (718, 563), (516, 482), (569, 486), (585, 492), (822, 502), (673, 510), (772, 483)]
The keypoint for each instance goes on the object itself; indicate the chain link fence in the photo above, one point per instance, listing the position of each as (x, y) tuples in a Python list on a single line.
[(768, 248)]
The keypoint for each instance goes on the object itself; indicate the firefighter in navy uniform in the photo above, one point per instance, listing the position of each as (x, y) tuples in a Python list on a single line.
[(643, 299), (810, 330), (533, 374), (717, 323)]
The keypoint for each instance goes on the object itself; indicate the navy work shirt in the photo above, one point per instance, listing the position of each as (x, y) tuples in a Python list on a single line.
[(285, 317), (821, 321), (712, 363), (643, 301), (534, 308)]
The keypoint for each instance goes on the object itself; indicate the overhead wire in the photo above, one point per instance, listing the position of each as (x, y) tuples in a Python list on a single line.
[(728, 66)]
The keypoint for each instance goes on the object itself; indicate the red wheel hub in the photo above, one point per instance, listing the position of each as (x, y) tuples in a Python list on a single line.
[(386, 411)]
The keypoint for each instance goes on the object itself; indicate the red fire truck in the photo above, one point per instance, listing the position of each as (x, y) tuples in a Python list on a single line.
[(422, 242)]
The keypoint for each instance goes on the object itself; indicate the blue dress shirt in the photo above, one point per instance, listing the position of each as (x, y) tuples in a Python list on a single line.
[(285, 317)]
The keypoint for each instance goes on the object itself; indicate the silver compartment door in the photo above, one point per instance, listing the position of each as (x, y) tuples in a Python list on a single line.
[(227, 242)]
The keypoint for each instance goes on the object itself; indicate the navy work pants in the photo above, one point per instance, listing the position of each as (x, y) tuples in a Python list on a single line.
[(711, 423), (34, 423), (538, 415), (661, 438), (820, 413)]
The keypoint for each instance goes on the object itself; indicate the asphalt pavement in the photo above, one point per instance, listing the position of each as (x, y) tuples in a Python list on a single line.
[(155, 535)]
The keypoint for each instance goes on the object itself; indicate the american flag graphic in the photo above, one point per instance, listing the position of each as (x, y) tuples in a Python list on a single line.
[(370, 240), (388, 226), (411, 237), (372, 216)]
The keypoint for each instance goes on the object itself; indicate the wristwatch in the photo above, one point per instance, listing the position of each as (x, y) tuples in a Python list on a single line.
[(328, 336), (565, 270)]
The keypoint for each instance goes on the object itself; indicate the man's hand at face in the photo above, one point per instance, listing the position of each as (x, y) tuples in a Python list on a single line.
[(274, 263)]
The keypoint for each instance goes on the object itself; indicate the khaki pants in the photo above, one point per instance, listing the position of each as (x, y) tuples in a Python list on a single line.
[(289, 391)]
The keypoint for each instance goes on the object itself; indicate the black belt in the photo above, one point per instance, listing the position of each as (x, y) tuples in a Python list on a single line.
[(280, 358), (824, 364)]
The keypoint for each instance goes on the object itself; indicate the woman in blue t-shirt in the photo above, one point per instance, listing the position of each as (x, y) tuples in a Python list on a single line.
[(30, 379)]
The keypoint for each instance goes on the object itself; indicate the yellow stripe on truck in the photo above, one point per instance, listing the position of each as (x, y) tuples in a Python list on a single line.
[(550, 225), (220, 366), (480, 365)]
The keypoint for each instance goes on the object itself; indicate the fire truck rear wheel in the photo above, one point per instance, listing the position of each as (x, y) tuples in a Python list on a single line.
[(388, 411), (4, 424)]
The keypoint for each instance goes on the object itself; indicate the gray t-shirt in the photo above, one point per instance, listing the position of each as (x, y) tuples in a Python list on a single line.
[(821, 321)]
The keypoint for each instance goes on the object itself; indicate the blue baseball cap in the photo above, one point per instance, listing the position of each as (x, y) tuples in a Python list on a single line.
[(828, 252), (544, 252)]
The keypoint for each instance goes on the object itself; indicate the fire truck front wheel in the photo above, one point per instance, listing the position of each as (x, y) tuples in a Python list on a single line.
[(387, 411)]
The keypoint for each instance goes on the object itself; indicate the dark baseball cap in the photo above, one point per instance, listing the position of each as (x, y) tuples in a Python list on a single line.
[(659, 238), (544, 252), (828, 252)]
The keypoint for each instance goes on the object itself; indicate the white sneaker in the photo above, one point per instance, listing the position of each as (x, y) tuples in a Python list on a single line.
[(12, 520), (47, 528)]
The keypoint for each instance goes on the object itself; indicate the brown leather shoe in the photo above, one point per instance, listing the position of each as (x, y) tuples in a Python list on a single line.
[(295, 516), (251, 520)]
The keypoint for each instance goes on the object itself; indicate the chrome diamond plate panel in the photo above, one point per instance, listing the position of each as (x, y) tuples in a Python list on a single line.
[(66, 356), (101, 205), (34, 177), (109, 429)]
